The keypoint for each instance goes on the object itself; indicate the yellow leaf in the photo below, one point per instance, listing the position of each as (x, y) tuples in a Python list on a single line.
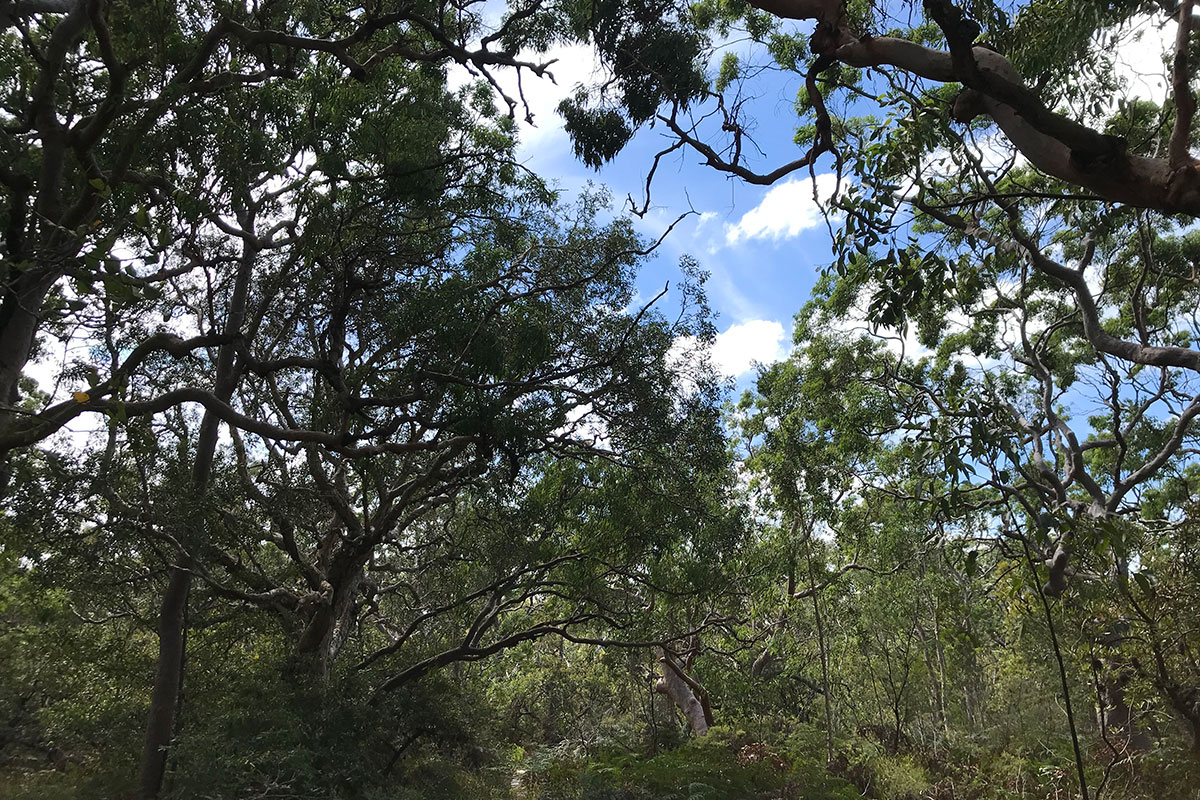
[(81, 397)]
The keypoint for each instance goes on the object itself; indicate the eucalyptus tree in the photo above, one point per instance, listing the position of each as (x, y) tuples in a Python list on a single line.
[(1031, 72), (822, 432), (1072, 452), (281, 215), (411, 397), (987, 176), (100, 103), (894, 98)]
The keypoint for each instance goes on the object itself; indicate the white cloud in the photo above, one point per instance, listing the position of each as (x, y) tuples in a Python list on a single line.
[(857, 322), (994, 152), (737, 350), (585, 425), (785, 211), (573, 65), (903, 345)]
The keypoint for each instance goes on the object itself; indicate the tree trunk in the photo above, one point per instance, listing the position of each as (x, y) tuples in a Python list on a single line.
[(1187, 706), (19, 312), (172, 617), (29, 270), (164, 699), (167, 683), (1118, 715), (826, 691), (1113, 673), (330, 625), (674, 684), (973, 687), (935, 685), (940, 650)]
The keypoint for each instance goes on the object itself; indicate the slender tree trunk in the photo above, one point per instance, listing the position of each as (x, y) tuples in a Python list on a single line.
[(939, 707), (826, 690), (973, 686), (653, 722), (168, 683), (940, 650), (898, 729), (1062, 674), (172, 616)]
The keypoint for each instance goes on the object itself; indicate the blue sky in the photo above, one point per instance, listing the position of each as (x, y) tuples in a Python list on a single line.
[(763, 246)]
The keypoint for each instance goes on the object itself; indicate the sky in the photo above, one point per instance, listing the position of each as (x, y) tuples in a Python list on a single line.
[(763, 246)]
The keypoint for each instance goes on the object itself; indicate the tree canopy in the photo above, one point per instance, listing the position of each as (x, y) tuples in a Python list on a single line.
[(372, 468)]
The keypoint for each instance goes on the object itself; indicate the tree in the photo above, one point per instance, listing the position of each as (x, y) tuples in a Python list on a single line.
[(376, 415), (363, 290), (100, 97), (1052, 172), (1065, 138), (1014, 68)]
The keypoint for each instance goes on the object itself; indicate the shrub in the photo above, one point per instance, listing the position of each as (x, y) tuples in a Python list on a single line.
[(725, 765)]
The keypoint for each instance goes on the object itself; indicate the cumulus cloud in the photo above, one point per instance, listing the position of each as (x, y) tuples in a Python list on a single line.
[(759, 341), (585, 425), (785, 211), (906, 344), (736, 351), (994, 152), (574, 65), (901, 344)]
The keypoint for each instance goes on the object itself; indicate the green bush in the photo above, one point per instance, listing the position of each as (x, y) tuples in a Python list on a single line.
[(725, 765), (899, 777)]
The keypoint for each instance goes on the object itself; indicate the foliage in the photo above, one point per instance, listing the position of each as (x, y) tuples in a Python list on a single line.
[(726, 763), (398, 488)]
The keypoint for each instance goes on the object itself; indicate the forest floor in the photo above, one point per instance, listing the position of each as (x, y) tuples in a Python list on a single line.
[(729, 765)]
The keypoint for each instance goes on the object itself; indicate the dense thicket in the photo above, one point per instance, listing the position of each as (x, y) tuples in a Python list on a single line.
[(368, 472)]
